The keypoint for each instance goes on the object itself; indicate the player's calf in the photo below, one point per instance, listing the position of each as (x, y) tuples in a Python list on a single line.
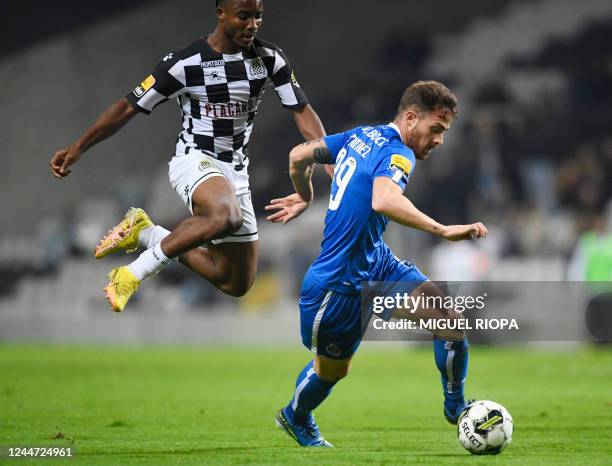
[(238, 286), (313, 385), (451, 359), (450, 351), (310, 391)]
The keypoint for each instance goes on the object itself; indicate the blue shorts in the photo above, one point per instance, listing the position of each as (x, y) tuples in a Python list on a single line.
[(332, 323)]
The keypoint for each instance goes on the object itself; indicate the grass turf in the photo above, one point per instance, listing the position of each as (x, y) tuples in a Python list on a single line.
[(156, 405)]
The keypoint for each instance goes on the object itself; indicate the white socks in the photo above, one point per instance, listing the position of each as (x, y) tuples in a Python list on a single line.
[(149, 237), (149, 262)]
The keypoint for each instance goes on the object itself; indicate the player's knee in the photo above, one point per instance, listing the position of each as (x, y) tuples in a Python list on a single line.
[(342, 372), (453, 335), (332, 372), (228, 218), (234, 220)]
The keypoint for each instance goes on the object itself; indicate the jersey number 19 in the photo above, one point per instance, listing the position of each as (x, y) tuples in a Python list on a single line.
[(342, 176)]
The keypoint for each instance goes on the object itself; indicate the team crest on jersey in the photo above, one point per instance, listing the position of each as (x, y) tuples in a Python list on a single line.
[(255, 69), (333, 350), (144, 86), (206, 165)]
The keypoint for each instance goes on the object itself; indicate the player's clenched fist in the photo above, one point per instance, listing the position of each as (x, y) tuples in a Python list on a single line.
[(63, 159), (461, 232)]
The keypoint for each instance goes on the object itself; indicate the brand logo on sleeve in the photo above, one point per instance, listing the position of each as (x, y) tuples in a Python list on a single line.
[(144, 86), (401, 162), (293, 80)]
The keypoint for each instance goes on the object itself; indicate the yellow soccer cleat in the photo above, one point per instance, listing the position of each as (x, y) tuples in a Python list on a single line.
[(125, 235), (123, 284)]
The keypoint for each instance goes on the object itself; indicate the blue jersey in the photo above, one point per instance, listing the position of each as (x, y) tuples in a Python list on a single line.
[(353, 250)]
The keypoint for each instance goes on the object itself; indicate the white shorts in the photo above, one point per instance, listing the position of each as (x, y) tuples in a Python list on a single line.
[(188, 171)]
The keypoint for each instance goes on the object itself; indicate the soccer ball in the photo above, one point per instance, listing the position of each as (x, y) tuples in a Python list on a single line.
[(485, 428)]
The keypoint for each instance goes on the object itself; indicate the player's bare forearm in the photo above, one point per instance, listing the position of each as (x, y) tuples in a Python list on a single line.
[(302, 183), (387, 199), (108, 123), (301, 164), (311, 127), (308, 123), (404, 212)]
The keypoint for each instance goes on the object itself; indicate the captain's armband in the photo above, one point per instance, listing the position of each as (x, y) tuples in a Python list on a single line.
[(323, 155)]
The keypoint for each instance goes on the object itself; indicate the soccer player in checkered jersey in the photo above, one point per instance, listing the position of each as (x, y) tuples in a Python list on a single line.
[(218, 81)]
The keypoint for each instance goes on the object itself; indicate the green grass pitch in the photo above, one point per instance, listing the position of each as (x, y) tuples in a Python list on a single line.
[(158, 405)]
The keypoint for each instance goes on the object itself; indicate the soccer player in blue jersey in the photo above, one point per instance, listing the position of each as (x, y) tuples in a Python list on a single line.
[(372, 167)]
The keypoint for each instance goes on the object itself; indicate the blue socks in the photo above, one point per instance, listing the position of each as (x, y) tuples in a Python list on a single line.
[(452, 362), (310, 391)]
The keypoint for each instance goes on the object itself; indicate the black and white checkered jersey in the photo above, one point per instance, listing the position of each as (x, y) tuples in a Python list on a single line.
[(219, 94)]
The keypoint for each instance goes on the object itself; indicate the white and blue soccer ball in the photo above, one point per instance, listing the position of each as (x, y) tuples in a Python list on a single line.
[(485, 428)]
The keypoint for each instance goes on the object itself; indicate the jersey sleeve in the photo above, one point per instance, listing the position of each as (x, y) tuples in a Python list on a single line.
[(165, 82), (396, 164), (286, 86), (335, 142)]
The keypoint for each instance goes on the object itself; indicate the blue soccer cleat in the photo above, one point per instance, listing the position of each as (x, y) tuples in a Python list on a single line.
[(307, 436), (453, 414)]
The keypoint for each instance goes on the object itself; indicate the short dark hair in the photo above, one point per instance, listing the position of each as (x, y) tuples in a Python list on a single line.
[(428, 96)]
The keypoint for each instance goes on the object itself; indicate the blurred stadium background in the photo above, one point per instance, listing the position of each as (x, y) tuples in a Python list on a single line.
[(530, 156)]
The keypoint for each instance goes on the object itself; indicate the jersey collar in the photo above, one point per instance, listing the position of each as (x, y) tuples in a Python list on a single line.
[(396, 128)]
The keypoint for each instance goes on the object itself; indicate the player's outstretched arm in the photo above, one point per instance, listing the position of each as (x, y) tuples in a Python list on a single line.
[(107, 124), (308, 123), (301, 163), (387, 199), (310, 126)]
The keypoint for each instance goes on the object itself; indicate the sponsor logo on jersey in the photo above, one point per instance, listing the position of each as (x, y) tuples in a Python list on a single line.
[(214, 75), (144, 86), (230, 109), (255, 69), (212, 63), (402, 163)]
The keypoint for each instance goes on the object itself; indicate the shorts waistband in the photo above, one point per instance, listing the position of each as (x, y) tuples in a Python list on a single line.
[(184, 148)]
